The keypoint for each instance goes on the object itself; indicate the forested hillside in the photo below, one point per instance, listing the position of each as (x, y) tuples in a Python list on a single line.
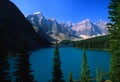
[(101, 42)]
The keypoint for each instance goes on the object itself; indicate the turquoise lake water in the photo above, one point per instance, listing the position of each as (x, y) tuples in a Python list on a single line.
[(71, 58)]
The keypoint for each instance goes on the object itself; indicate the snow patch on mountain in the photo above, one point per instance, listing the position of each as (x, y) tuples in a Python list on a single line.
[(51, 29)]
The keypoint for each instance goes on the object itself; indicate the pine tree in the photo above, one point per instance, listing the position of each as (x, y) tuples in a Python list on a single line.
[(70, 78), (85, 72), (4, 67), (23, 71), (99, 75), (114, 29), (57, 72)]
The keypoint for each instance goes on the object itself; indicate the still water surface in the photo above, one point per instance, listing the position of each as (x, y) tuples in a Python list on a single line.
[(71, 59)]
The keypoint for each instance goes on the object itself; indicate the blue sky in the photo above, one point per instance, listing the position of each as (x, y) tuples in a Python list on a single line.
[(66, 10)]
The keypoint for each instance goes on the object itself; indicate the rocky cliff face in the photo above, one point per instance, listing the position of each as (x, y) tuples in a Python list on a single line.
[(86, 27), (15, 31), (53, 30), (50, 28)]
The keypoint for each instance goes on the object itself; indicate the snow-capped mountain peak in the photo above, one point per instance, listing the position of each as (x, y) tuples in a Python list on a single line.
[(51, 29), (52, 19), (37, 13), (86, 21), (69, 24), (101, 22)]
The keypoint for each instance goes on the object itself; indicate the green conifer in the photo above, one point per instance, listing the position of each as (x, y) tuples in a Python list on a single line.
[(23, 71), (99, 75), (85, 71), (4, 67), (114, 29), (57, 72), (70, 78)]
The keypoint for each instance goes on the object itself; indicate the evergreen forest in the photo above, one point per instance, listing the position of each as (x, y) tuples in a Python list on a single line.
[(11, 46)]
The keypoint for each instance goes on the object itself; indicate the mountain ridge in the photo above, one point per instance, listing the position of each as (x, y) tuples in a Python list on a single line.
[(16, 32), (60, 31)]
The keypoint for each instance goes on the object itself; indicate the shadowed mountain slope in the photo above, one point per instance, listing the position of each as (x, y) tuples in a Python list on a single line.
[(15, 30)]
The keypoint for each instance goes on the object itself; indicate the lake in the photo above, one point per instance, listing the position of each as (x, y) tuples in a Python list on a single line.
[(71, 58)]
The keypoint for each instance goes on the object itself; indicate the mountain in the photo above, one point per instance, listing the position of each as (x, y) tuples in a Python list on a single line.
[(50, 28), (53, 30), (86, 27), (102, 26), (15, 31)]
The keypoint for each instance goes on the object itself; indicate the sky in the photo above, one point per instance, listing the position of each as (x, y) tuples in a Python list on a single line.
[(66, 10)]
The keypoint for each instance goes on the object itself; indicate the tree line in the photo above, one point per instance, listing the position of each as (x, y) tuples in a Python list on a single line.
[(22, 67), (23, 73), (85, 75), (23, 70), (100, 42)]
